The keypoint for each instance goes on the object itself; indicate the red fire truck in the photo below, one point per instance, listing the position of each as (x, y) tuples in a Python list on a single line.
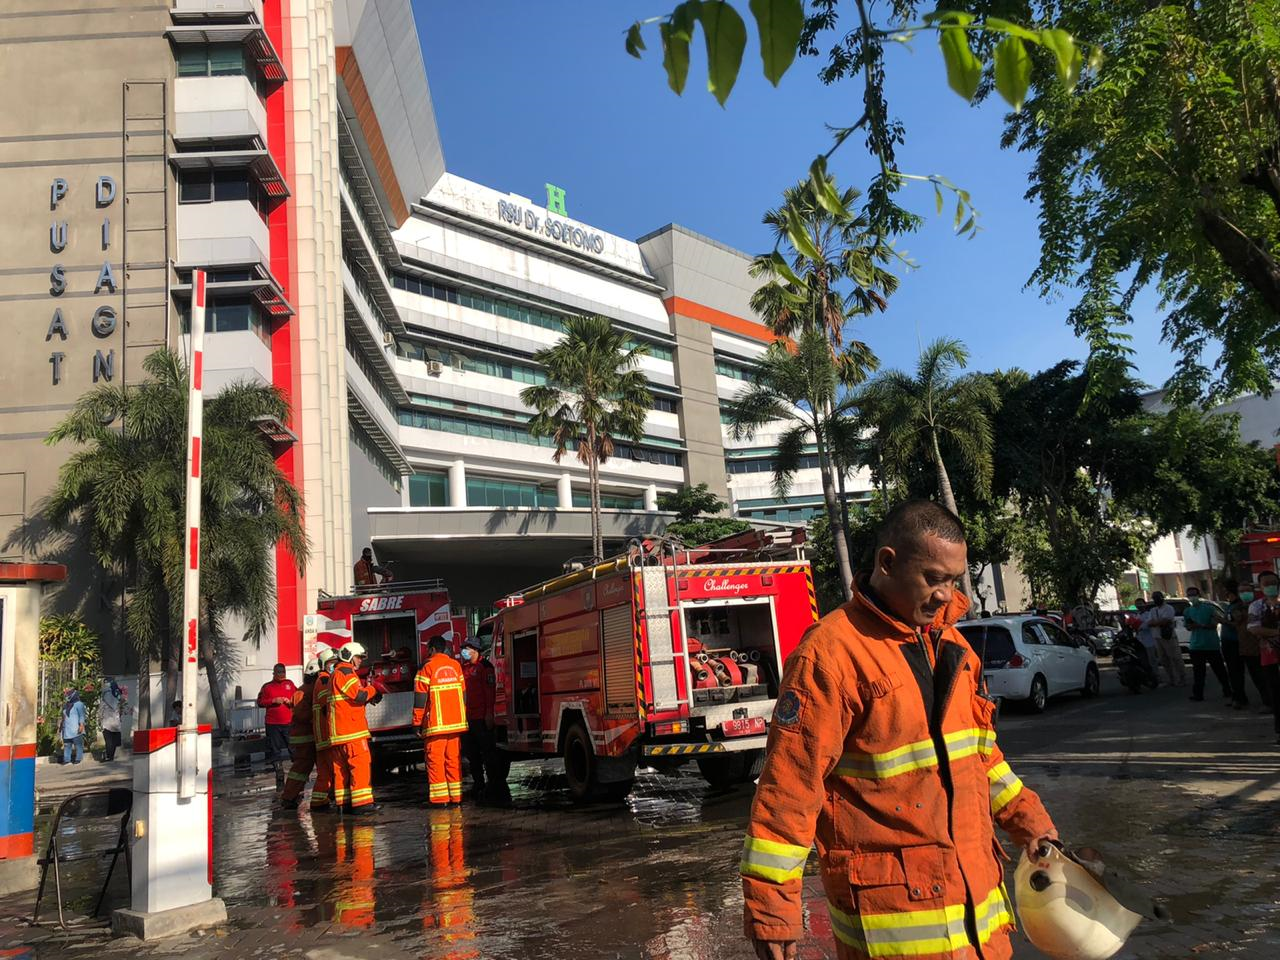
[(660, 656), (1259, 552), (393, 621)]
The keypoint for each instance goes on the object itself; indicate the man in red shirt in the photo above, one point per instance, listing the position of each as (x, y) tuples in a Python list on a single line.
[(477, 742), (277, 696)]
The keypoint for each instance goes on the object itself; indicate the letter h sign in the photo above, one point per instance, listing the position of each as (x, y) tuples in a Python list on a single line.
[(555, 200)]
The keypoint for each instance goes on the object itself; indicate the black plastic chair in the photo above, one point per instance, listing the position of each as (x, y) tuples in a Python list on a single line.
[(91, 804)]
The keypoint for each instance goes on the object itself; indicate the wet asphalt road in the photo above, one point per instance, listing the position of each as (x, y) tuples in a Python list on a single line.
[(1186, 796)]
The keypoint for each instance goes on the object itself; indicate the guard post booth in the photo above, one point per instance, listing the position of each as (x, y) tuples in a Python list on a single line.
[(21, 585)]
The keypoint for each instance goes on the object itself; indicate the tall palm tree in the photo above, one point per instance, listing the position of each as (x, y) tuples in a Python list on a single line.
[(917, 416), (799, 386), (594, 394), (818, 252), (127, 482)]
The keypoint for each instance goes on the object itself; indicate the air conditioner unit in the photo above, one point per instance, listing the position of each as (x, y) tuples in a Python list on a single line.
[(388, 339), (435, 368)]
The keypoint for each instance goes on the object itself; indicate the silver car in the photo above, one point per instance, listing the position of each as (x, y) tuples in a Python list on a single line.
[(1031, 659)]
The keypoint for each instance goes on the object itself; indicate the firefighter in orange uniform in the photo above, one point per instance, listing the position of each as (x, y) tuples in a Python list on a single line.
[(882, 749), (349, 731), (321, 701), (440, 716), (302, 741)]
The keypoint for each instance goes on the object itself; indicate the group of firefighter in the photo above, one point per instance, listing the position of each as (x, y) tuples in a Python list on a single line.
[(452, 703)]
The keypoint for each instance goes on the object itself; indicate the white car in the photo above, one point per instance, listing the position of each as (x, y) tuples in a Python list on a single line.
[(1031, 659)]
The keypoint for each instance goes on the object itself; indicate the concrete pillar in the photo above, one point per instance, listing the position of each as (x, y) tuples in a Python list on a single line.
[(458, 484), (564, 491), (651, 498)]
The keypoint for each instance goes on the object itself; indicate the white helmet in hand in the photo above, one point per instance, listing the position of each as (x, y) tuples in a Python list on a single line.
[(1067, 912)]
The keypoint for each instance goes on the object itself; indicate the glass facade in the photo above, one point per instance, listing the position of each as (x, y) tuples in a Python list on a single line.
[(472, 363), (610, 501), (808, 461), (736, 369), (226, 314), (495, 492), (429, 489), (510, 309), (211, 60)]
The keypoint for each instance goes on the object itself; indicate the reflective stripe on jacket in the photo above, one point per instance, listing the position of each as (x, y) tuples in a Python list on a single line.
[(320, 720), (881, 741), (348, 695), (302, 726), (439, 697)]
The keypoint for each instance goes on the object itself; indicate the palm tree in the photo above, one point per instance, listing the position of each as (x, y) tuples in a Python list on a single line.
[(128, 484), (799, 386), (818, 251), (594, 395), (917, 416)]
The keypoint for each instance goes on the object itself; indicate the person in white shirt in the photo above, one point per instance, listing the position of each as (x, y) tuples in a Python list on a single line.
[(1167, 649)]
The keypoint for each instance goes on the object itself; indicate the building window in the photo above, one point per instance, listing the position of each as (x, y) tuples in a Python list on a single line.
[(807, 461), (211, 60), (610, 501), (228, 315), (735, 369), (215, 186), (510, 309), (493, 492), (372, 374), (429, 489), (665, 404)]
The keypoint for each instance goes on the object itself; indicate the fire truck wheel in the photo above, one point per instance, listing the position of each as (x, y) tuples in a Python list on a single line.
[(582, 770), (723, 771)]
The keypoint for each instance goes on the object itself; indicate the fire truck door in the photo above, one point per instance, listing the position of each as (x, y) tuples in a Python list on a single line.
[(524, 674), (661, 646)]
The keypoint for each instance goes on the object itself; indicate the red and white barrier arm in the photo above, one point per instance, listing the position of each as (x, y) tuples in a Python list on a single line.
[(187, 765)]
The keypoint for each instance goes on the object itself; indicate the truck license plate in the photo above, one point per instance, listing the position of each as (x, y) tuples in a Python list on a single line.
[(745, 727)]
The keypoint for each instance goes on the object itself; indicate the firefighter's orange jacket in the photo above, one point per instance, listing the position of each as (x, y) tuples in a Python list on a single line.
[(348, 695), (320, 703), (439, 697), (882, 749), (302, 727)]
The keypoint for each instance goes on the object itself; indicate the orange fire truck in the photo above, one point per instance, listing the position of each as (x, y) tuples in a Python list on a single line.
[(659, 656), (393, 621)]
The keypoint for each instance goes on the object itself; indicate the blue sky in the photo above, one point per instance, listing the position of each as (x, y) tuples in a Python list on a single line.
[(527, 93)]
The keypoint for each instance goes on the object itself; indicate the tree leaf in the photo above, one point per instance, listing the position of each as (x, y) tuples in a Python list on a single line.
[(675, 56), (937, 197), (783, 270), (1012, 71), (824, 190), (799, 237), (779, 23), (1066, 53), (964, 70), (726, 37), (959, 213), (635, 41), (1011, 29)]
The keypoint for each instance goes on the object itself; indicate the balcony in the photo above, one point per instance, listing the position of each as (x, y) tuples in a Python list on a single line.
[(187, 10), (230, 232), (217, 108)]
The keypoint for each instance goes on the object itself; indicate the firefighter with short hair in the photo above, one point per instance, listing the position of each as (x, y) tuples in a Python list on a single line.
[(883, 750), (349, 731), (440, 717)]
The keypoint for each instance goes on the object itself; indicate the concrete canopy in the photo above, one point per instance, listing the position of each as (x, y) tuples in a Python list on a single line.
[(484, 553)]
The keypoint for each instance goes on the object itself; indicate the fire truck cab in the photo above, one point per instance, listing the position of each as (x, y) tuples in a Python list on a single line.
[(660, 656), (393, 621)]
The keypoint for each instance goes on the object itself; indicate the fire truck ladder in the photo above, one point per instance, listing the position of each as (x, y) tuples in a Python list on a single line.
[(660, 584)]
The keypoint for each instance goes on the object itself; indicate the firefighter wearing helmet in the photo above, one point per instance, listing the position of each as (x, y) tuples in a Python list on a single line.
[(302, 740), (440, 717), (321, 701), (882, 748), (348, 732)]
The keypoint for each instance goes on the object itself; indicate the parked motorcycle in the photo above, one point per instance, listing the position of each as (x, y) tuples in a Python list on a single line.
[(1133, 666)]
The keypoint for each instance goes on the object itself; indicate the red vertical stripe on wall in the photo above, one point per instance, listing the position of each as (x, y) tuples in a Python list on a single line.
[(290, 586)]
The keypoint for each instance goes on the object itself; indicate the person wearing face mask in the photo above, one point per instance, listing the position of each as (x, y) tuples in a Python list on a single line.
[(1249, 649), (1202, 620), (1161, 620), (477, 742), (1264, 623)]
